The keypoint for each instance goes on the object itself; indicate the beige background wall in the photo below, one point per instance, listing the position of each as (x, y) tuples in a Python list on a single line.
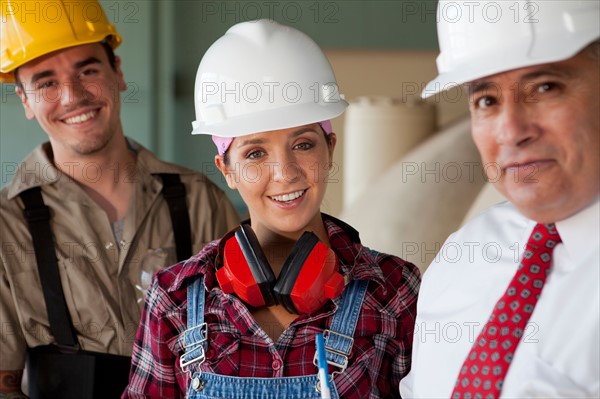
[(393, 73)]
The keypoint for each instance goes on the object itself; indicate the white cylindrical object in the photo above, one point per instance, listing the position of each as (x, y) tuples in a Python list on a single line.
[(378, 131)]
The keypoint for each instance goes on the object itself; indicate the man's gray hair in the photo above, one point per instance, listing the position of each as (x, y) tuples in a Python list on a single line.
[(593, 50)]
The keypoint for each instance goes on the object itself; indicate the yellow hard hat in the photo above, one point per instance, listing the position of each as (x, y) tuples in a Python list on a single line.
[(30, 29)]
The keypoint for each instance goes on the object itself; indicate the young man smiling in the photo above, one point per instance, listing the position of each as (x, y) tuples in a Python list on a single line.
[(112, 206)]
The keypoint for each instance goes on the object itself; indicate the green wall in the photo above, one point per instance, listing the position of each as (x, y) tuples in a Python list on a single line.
[(164, 42)]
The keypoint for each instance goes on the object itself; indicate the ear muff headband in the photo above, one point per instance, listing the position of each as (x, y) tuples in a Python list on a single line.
[(291, 269), (256, 261), (309, 276), (243, 270)]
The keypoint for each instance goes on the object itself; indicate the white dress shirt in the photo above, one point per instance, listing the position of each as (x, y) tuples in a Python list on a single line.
[(559, 354)]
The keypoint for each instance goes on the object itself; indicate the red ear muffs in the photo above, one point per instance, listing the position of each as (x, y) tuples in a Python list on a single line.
[(244, 270), (309, 276)]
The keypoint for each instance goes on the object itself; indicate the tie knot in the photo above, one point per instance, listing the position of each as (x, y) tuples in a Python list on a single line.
[(544, 235)]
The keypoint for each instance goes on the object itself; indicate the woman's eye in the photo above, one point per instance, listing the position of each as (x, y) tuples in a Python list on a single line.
[(303, 146), (255, 154)]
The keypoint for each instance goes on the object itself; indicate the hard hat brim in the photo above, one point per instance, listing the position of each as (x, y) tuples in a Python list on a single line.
[(273, 119), (492, 64), (114, 40)]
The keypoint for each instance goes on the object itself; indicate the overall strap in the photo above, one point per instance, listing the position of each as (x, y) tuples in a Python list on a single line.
[(339, 338), (174, 193), (37, 215), (194, 338)]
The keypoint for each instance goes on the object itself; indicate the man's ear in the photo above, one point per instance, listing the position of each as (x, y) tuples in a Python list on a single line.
[(25, 101), (122, 84), (228, 173)]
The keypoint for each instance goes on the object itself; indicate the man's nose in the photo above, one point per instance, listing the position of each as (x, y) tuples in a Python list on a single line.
[(516, 125)]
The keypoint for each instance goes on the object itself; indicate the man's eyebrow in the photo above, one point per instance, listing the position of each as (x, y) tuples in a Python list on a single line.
[(557, 72), (86, 62), (476, 87), (77, 65), (41, 75), (545, 71)]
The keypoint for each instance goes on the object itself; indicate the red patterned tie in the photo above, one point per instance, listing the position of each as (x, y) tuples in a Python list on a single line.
[(483, 372)]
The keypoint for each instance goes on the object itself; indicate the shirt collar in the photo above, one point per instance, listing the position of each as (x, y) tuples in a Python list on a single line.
[(38, 169), (580, 230), (356, 261)]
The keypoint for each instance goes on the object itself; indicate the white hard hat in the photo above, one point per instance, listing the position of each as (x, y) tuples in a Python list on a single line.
[(479, 39), (263, 76)]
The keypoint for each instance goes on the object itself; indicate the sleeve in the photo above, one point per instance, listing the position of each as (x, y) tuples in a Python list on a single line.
[(406, 297), (153, 372), (12, 341), (211, 213), (396, 302)]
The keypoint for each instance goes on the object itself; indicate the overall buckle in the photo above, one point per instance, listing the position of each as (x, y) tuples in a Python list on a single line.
[(194, 351)]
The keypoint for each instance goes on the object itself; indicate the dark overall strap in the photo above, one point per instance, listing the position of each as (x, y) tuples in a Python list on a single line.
[(174, 193), (37, 215)]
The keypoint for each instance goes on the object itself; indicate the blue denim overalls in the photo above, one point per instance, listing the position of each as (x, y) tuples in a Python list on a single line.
[(338, 343)]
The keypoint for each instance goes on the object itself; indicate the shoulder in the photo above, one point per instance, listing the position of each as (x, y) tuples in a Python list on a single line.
[(197, 183), (489, 241), (176, 278), (4, 196), (11, 214), (393, 265), (150, 163), (35, 170), (194, 180), (394, 283), (498, 224)]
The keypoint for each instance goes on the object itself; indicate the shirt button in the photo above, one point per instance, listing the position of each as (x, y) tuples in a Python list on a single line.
[(276, 365), (109, 245), (122, 243)]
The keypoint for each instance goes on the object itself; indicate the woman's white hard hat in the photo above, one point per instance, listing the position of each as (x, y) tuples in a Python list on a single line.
[(262, 76)]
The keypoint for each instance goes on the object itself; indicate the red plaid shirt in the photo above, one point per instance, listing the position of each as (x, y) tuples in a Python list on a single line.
[(237, 346)]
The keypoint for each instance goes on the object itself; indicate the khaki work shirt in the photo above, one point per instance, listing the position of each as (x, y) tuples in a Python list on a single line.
[(98, 274)]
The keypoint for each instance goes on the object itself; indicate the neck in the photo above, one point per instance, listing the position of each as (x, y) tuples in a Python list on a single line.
[(107, 175), (278, 245)]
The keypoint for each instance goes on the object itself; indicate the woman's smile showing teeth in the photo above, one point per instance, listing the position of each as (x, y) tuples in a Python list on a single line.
[(288, 197)]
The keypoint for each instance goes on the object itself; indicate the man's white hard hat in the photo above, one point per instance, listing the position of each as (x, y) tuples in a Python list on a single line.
[(483, 38)]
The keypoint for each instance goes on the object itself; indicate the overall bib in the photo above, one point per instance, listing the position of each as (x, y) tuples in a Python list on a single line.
[(338, 344)]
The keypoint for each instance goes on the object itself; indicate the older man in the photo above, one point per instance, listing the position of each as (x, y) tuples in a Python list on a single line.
[(510, 306)]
